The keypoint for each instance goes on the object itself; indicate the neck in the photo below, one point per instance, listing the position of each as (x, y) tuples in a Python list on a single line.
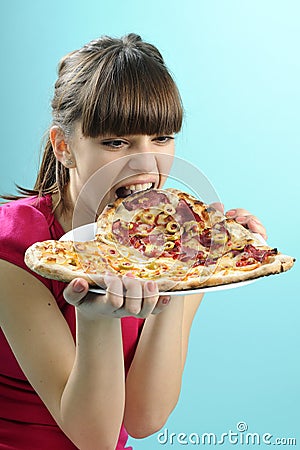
[(63, 215), (77, 212)]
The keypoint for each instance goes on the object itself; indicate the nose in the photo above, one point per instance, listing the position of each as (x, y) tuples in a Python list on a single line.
[(143, 161)]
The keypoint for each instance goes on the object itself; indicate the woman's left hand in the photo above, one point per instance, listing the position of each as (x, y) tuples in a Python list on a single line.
[(245, 218)]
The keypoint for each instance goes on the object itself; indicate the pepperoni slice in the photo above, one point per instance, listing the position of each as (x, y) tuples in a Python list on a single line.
[(251, 255), (203, 260), (259, 254), (120, 230), (246, 261), (185, 214), (147, 199), (205, 238), (187, 254)]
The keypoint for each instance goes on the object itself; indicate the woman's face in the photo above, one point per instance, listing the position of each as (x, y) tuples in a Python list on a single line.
[(108, 167)]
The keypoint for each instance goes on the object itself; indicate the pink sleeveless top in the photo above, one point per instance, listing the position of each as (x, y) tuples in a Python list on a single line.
[(25, 423)]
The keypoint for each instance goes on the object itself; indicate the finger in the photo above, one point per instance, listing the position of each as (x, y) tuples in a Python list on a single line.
[(218, 206), (150, 298), (163, 302), (114, 292), (254, 219), (133, 295), (242, 219), (250, 220), (253, 224), (76, 290), (257, 227), (233, 213)]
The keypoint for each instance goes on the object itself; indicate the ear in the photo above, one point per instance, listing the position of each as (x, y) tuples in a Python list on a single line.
[(61, 148)]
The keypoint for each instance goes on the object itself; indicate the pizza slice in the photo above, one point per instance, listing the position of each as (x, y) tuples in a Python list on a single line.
[(198, 244), (165, 235)]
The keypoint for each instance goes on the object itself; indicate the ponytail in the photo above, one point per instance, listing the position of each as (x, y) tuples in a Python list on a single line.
[(51, 179)]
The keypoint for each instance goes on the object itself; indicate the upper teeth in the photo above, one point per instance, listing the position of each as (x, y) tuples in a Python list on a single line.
[(139, 187)]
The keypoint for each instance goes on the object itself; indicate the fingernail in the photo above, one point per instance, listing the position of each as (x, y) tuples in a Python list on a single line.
[(166, 300), (232, 212), (78, 286), (129, 275), (107, 273), (241, 219), (108, 277), (151, 286)]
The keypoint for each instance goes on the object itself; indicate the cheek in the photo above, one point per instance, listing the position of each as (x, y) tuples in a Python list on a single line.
[(90, 165), (164, 163), (97, 175)]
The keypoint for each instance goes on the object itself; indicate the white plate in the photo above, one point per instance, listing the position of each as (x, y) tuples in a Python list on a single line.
[(84, 233), (87, 233), (193, 291)]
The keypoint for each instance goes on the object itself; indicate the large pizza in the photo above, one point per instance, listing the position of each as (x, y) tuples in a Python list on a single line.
[(164, 235)]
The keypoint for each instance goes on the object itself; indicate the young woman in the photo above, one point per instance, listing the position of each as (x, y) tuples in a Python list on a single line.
[(80, 370)]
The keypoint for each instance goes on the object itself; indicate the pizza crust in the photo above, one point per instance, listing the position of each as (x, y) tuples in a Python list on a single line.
[(61, 272), (281, 263)]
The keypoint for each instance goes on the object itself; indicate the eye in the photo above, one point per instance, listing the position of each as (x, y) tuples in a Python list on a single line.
[(163, 139), (114, 143)]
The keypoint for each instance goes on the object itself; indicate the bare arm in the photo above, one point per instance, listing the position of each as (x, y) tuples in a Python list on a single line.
[(154, 379), (89, 377), (72, 381)]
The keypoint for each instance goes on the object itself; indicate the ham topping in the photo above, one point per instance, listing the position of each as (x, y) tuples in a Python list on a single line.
[(148, 199), (185, 214), (252, 254)]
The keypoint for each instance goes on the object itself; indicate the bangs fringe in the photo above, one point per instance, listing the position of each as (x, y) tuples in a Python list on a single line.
[(131, 95)]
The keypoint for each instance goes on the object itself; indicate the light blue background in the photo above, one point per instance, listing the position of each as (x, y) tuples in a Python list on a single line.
[(237, 66)]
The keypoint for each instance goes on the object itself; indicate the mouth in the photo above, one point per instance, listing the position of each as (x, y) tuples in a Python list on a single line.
[(125, 191)]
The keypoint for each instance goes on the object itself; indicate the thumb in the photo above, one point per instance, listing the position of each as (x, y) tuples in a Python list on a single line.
[(218, 206), (76, 291)]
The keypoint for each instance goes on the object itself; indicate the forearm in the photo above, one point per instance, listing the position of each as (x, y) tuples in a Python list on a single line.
[(92, 404), (154, 380)]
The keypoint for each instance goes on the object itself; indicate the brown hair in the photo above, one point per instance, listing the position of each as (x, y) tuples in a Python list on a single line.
[(115, 86)]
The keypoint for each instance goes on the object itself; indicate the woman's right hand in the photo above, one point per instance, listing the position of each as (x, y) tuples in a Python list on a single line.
[(124, 297)]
